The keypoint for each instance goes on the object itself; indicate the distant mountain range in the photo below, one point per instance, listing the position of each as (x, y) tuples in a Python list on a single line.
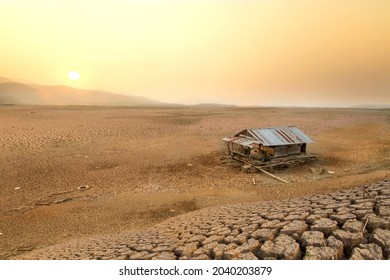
[(16, 93)]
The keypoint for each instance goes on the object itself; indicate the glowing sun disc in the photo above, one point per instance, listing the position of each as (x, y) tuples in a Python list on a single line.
[(74, 75)]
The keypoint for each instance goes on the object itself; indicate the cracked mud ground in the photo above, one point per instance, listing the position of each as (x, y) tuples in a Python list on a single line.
[(146, 165), (348, 224)]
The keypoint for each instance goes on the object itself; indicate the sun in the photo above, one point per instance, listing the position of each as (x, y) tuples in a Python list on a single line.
[(74, 75)]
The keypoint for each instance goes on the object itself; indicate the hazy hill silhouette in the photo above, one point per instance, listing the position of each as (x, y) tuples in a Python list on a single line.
[(23, 94), (5, 80), (18, 94)]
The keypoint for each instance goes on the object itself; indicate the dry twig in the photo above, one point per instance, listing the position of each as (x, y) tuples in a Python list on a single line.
[(273, 176), (365, 191), (365, 224)]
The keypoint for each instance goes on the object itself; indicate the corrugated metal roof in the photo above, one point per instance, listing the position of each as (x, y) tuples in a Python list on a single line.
[(277, 136), (248, 142)]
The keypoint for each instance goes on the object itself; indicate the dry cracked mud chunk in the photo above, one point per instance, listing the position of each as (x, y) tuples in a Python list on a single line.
[(381, 237), (313, 217), (284, 247), (325, 225), (126, 254), (320, 253), (375, 222), (326, 201), (201, 257), (117, 258), (337, 245), (231, 254), (344, 210), (241, 238), (196, 238), (246, 256), (224, 231), (211, 246), (342, 218), (234, 232), (229, 239), (385, 191), (353, 226), (213, 238), (275, 216), (140, 248), (349, 239), (265, 234), (160, 249), (383, 202), (367, 252), (336, 206), (363, 212), (201, 251), (249, 227), (323, 211), (256, 219), (252, 245), (275, 224), (165, 256), (184, 236), (142, 256), (384, 211), (187, 250), (363, 205), (313, 238), (361, 200), (268, 250), (219, 250), (295, 227), (298, 216)]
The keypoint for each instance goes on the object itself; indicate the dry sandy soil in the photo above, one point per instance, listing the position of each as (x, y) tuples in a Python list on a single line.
[(145, 165)]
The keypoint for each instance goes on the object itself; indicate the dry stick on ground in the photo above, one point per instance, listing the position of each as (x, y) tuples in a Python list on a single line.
[(273, 176), (365, 224), (253, 180), (365, 191)]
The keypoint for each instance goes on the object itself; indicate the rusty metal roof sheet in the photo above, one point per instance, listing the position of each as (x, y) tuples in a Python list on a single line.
[(277, 136), (248, 142)]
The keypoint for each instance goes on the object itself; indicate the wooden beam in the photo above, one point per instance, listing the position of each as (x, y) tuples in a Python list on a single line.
[(271, 175)]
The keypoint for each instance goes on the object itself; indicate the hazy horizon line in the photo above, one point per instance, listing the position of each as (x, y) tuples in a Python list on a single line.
[(205, 103)]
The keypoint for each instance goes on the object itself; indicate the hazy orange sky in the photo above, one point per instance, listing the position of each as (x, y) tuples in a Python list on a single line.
[(246, 52)]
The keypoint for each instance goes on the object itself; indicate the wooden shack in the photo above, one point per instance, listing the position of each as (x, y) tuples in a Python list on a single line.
[(268, 143)]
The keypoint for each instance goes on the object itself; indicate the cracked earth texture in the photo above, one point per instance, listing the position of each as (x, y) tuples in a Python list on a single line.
[(348, 224)]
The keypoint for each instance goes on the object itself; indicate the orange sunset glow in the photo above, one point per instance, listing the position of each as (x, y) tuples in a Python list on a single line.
[(263, 53)]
